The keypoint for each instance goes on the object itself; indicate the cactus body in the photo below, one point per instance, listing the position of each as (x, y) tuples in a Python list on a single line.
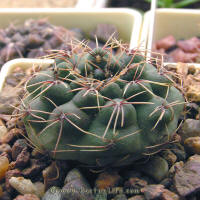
[(101, 109)]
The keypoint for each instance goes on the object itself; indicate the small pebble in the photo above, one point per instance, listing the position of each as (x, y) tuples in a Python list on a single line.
[(193, 144), (169, 156), (5, 148), (27, 197), (9, 96), (53, 193), (190, 128), (187, 177), (22, 185), (137, 197), (18, 146), (3, 131), (23, 158), (168, 195), (76, 186), (176, 166), (8, 175), (156, 167), (4, 164), (36, 166), (11, 135), (135, 183), (166, 42), (5, 154), (152, 191), (107, 180)]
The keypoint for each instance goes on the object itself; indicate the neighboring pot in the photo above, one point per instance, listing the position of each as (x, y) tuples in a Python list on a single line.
[(127, 21), (181, 23)]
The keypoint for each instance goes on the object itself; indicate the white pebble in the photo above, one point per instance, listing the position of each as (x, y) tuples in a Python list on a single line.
[(3, 131), (22, 185)]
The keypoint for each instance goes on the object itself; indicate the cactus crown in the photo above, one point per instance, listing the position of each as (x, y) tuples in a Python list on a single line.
[(100, 107)]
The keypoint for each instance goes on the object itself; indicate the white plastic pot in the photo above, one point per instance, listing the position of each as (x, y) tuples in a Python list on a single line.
[(127, 21), (181, 23), (23, 63)]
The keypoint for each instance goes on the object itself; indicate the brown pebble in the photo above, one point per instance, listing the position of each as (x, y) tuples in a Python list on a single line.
[(193, 144), (23, 158), (35, 167), (5, 148), (135, 182), (75, 180), (27, 197), (168, 195), (166, 43), (17, 148), (191, 45), (4, 164), (12, 50), (169, 156), (7, 156), (11, 81), (187, 177), (33, 41), (179, 55), (152, 191), (3, 131), (107, 180), (11, 135), (8, 175)]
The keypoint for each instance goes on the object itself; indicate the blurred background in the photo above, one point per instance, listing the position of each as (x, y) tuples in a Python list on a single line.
[(37, 3), (142, 5)]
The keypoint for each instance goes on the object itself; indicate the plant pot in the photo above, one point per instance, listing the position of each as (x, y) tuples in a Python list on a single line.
[(127, 21), (23, 63), (181, 23)]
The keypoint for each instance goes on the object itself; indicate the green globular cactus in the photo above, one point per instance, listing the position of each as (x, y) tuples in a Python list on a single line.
[(101, 108)]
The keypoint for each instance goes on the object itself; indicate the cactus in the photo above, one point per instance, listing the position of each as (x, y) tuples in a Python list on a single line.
[(101, 108)]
